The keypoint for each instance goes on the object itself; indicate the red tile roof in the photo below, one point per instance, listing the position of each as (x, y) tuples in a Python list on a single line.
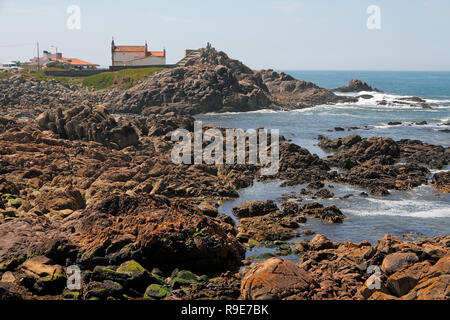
[(139, 49), (129, 48), (75, 62), (157, 53)]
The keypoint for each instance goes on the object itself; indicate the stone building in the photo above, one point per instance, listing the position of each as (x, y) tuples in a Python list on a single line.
[(136, 56)]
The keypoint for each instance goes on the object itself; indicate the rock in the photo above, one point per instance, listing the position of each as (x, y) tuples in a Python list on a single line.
[(401, 282), (254, 209), (330, 214), (417, 152), (324, 194), (89, 124), (270, 227), (398, 260), (441, 182), (430, 289), (320, 242), (208, 209), (43, 276), (355, 86), (143, 227), (8, 276), (379, 191), (274, 279), (290, 208), (156, 292), (101, 274), (378, 295), (183, 278), (104, 290), (8, 292), (316, 185)]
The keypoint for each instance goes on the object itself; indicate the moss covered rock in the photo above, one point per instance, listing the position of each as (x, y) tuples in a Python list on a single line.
[(156, 292), (183, 278), (104, 290)]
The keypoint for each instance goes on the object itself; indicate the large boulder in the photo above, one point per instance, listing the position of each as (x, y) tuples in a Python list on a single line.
[(398, 260), (274, 279)]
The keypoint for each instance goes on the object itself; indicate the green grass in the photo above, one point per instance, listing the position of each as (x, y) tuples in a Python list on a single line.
[(119, 79), (124, 78)]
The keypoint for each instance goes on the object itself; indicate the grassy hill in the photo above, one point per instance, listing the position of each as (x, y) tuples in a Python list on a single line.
[(124, 78), (106, 80)]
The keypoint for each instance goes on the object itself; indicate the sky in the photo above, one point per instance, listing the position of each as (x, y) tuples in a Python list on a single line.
[(282, 35)]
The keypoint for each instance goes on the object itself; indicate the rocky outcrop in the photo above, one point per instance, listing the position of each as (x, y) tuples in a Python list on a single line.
[(376, 162), (356, 85), (415, 151), (212, 82), (89, 124), (291, 93)]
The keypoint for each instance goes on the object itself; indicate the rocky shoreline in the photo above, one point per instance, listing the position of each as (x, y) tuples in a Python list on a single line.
[(80, 185)]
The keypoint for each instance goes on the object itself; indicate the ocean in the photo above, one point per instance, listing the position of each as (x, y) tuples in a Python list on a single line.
[(421, 212)]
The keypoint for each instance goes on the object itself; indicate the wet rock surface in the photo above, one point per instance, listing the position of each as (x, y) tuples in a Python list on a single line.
[(347, 271), (381, 164)]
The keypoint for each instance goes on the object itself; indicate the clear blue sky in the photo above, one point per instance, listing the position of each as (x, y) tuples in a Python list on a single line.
[(285, 34)]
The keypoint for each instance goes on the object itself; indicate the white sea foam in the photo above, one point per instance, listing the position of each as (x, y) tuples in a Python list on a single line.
[(391, 100), (404, 207)]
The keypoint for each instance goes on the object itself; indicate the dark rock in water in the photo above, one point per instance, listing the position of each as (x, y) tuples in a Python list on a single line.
[(394, 123), (355, 85), (254, 209), (372, 162), (422, 123), (324, 194), (316, 185), (89, 124), (365, 96), (445, 130), (290, 208), (380, 191), (339, 129), (330, 214), (414, 99), (425, 106), (415, 151), (441, 182)]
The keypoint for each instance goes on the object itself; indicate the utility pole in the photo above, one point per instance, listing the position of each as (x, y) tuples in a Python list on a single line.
[(38, 65)]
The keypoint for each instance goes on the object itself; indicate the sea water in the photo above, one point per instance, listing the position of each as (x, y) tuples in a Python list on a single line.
[(421, 212)]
